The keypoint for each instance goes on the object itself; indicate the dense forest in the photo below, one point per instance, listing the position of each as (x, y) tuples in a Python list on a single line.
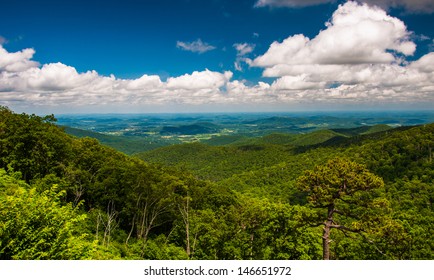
[(349, 194)]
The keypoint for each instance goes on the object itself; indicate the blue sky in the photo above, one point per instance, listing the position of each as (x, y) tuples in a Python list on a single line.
[(215, 55), (131, 38)]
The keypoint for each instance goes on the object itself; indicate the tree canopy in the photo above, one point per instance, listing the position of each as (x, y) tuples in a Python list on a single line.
[(366, 197)]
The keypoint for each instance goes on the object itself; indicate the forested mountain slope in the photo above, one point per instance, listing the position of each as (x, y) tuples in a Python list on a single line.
[(251, 154), (72, 198), (126, 144)]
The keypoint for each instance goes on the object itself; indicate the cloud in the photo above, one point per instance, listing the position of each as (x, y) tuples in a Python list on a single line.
[(290, 3), (18, 61), (196, 46), (199, 80), (144, 82), (57, 77), (361, 54), (24, 83), (424, 64), (356, 34), (300, 82), (243, 49)]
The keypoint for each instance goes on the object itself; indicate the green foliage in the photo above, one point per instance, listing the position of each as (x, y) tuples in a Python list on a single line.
[(37, 225), (217, 163), (406, 153), (345, 196), (314, 138), (68, 198), (126, 144), (255, 229), (338, 180), (223, 140), (363, 130), (31, 144)]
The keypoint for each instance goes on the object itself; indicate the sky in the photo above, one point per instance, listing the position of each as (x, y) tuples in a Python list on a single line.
[(152, 56)]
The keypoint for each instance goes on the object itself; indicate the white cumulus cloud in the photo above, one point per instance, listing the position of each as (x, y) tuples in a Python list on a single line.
[(425, 63), (18, 61), (361, 54), (24, 83), (56, 77), (356, 34), (199, 80)]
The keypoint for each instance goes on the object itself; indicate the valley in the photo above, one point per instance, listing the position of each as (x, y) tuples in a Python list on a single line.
[(133, 133)]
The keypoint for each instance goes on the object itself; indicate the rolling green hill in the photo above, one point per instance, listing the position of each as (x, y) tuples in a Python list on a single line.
[(314, 138), (126, 144), (362, 130), (239, 153), (215, 163), (223, 140)]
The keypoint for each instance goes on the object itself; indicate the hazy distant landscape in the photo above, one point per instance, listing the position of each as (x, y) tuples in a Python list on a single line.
[(132, 133)]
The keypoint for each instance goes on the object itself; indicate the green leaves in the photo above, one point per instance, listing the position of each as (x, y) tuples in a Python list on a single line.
[(346, 192), (31, 144), (66, 198), (339, 179), (36, 225)]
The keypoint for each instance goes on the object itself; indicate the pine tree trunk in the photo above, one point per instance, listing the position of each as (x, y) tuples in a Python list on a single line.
[(326, 233), (326, 243)]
